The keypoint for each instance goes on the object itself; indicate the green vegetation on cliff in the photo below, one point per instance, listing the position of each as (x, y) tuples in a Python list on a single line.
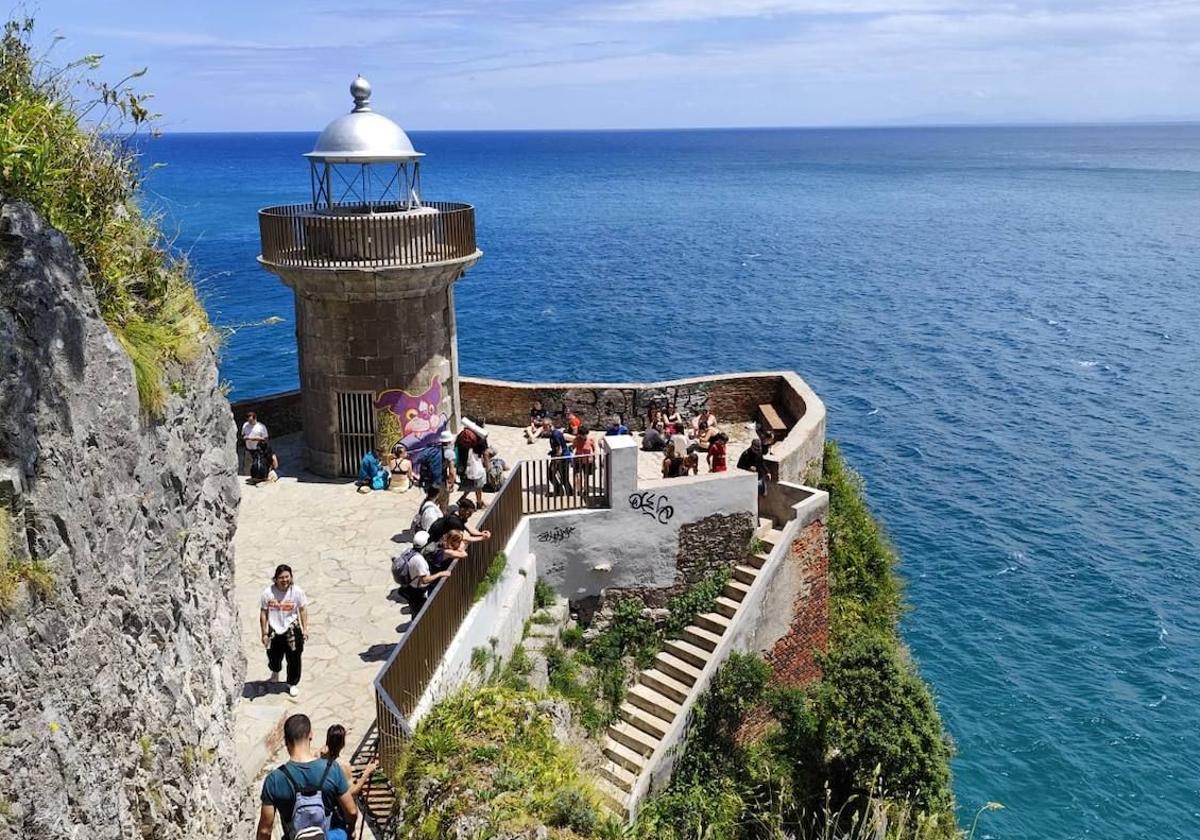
[(63, 155), (861, 753), (488, 761)]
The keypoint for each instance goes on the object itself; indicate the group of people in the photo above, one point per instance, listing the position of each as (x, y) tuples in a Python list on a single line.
[(439, 538), (312, 792), (572, 449)]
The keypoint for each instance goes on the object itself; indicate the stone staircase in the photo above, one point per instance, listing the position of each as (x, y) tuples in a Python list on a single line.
[(663, 692)]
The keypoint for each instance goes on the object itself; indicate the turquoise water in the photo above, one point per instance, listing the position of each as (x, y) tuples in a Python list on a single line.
[(1002, 322)]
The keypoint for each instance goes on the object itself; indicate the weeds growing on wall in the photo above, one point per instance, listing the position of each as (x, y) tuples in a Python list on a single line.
[(492, 576), (70, 157), (14, 571)]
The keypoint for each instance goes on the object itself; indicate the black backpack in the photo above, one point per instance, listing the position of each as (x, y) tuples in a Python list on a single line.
[(260, 464)]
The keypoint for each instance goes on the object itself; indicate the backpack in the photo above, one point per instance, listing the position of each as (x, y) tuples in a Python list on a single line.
[(433, 467), (400, 572), (260, 466), (309, 811), (415, 525), (495, 475), (379, 481)]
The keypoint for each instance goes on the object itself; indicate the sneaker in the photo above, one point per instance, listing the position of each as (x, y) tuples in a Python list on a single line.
[(274, 677), (294, 690)]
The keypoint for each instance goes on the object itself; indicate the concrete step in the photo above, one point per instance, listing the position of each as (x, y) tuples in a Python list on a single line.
[(628, 735), (713, 622), (746, 574), (759, 559), (653, 726), (663, 683), (735, 590), (613, 798), (618, 775), (676, 668), (765, 523), (701, 638), (646, 698), (727, 607), (617, 752), (688, 652), (771, 535)]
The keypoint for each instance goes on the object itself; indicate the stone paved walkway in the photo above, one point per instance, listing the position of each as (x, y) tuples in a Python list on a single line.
[(339, 544)]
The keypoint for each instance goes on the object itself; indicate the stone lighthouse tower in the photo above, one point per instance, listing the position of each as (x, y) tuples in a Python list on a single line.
[(372, 266)]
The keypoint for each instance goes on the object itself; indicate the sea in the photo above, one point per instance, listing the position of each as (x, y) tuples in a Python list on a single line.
[(1004, 324)]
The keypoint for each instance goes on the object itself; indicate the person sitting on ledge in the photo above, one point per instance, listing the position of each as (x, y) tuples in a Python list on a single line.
[(704, 434), (674, 418), (449, 548), (716, 452), (372, 475), (283, 789), (653, 416), (535, 428), (615, 427), (654, 439), (402, 468), (705, 416), (456, 520), (680, 439), (673, 463)]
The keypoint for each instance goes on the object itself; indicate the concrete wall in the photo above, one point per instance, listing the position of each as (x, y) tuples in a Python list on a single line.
[(764, 619), (635, 543), (495, 623), (799, 455), (282, 413)]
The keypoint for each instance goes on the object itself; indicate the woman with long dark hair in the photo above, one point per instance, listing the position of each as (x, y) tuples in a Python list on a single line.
[(335, 742)]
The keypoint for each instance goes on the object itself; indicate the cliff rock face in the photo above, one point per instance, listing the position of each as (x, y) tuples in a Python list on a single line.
[(116, 691)]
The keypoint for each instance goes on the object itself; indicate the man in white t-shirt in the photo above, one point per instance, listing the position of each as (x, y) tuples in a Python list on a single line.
[(283, 619), (252, 433)]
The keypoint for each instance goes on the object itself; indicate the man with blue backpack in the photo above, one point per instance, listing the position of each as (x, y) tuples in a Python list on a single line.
[(304, 790)]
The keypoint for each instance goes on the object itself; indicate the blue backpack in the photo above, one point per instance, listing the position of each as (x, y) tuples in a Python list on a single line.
[(310, 810), (433, 467)]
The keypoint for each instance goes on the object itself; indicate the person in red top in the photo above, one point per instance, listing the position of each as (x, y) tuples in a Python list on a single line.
[(582, 450), (573, 422), (716, 452)]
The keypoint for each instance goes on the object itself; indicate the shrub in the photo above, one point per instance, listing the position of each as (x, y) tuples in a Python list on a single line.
[(543, 594), (864, 591), (85, 183), (879, 719), (571, 637)]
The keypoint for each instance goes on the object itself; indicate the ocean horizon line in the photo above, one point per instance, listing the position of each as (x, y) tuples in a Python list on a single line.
[(737, 128)]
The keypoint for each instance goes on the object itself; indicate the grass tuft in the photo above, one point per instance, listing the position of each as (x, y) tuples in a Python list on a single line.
[(71, 155)]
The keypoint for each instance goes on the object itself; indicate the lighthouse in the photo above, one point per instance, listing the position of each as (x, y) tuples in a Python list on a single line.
[(372, 265)]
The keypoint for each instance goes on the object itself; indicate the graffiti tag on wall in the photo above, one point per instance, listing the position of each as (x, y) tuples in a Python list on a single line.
[(556, 535), (652, 505)]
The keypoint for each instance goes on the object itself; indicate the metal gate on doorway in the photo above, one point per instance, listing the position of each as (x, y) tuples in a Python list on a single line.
[(356, 428)]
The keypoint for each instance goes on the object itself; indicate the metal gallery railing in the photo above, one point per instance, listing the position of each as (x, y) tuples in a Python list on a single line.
[(299, 235), (554, 484)]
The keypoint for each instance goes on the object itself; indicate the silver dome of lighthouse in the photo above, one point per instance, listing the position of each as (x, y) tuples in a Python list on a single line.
[(363, 136)]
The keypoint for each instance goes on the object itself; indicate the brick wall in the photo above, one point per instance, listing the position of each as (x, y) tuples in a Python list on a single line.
[(793, 657)]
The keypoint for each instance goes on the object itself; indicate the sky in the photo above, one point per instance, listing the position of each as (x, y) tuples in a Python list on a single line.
[(263, 65)]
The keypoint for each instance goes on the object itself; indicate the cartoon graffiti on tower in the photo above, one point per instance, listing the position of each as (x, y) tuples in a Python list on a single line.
[(421, 417)]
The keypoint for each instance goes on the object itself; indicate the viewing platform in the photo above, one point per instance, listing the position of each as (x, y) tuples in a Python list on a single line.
[(374, 237)]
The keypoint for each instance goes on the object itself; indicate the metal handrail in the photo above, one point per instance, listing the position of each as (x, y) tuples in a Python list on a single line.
[(305, 236), (406, 673)]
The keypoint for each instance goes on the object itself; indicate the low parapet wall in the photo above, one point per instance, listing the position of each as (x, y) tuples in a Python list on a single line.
[(733, 397)]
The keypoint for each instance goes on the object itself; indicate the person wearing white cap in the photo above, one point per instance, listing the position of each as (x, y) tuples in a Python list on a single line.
[(411, 571)]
